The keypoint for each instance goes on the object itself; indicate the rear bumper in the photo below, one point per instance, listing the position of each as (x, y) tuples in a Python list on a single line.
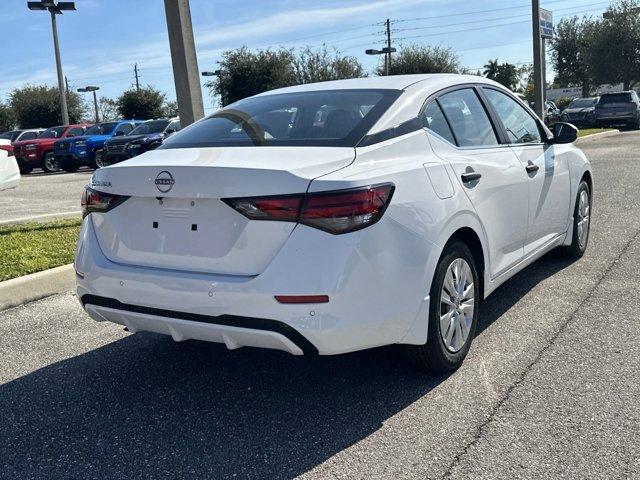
[(376, 296)]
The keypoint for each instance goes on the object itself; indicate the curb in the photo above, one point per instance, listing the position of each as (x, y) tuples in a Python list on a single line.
[(35, 286), (44, 217), (596, 136)]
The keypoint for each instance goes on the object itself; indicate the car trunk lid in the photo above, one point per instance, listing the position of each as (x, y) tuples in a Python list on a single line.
[(175, 218)]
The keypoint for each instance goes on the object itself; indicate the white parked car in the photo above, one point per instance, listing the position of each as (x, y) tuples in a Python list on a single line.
[(332, 217), (9, 171)]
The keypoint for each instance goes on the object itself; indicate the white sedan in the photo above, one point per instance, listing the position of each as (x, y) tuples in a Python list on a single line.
[(9, 171), (333, 217)]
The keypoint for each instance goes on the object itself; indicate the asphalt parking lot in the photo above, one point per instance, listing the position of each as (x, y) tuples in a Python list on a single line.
[(41, 196), (549, 390)]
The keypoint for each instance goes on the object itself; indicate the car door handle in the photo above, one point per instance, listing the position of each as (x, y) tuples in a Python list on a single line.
[(532, 168), (470, 176)]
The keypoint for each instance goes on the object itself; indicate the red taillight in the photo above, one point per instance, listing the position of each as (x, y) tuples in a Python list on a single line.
[(335, 212), (95, 201), (8, 148)]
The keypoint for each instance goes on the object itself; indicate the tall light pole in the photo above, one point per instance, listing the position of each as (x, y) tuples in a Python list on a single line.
[(93, 89), (56, 8)]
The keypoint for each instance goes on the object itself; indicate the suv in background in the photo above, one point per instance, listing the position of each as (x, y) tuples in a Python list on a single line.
[(581, 112), (146, 136), (39, 151), (551, 113), (616, 109), (88, 149), (18, 135)]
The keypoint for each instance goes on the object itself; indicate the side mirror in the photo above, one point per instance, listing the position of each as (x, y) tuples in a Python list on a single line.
[(169, 131), (564, 133)]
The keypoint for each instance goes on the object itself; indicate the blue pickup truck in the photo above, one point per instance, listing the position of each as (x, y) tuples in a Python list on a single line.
[(88, 149)]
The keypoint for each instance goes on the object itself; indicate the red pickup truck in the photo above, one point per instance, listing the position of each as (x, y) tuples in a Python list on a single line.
[(39, 151)]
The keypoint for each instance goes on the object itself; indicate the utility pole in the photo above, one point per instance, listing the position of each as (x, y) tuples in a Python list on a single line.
[(135, 73), (186, 74), (538, 80), (388, 57), (56, 8)]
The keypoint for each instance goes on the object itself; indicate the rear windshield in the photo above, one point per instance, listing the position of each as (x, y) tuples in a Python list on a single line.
[(318, 118), (615, 98), (101, 128), (152, 126), (582, 103), (12, 135), (53, 132)]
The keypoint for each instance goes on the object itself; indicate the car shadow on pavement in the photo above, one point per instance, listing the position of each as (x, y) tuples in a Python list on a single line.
[(144, 406)]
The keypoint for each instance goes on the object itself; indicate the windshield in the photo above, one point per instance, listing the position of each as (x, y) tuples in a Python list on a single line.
[(12, 135), (314, 118), (582, 103), (101, 128), (615, 98), (153, 126), (53, 132)]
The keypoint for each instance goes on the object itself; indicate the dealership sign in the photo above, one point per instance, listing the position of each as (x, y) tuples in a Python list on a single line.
[(546, 23)]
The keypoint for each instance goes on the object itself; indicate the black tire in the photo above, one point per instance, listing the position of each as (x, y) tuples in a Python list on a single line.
[(25, 168), (98, 160), (49, 163), (70, 167), (434, 356), (578, 247)]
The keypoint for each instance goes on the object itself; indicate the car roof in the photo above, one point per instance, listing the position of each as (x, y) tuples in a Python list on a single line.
[(392, 82)]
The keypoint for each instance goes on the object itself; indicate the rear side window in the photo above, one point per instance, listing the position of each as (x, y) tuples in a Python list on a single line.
[(519, 124), (29, 135), (468, 119), (124, 129), (609, 98), (434, 120), (74, 132)]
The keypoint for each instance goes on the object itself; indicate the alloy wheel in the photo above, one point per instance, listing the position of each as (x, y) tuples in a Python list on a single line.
[(584, 210), (457, 301), (51, 163), (100, 159)]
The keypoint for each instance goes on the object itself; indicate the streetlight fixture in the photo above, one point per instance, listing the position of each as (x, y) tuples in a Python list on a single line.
[(384, 51), (93, 89), (56, 8), (211, 74)]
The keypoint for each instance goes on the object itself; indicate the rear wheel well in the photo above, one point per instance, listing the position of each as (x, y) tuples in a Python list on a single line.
[(470, 238), (587, 178)]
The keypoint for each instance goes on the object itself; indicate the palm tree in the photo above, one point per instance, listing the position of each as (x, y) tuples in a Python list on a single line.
[(491, 69)]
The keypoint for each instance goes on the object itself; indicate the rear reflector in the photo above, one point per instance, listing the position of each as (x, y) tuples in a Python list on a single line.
[(302, 298), (336, 212), (95, 201)]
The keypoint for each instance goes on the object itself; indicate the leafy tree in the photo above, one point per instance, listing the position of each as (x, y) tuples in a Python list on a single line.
[(108, 109), (170, 109), (423, 59), (320, 65), (39, 106), (570, 51), (244, 73), (141, 104), (491, 69), (614, 55), (507, 75), (7, 119)]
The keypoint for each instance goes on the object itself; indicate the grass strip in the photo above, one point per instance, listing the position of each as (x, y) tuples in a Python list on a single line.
[(32, 247)]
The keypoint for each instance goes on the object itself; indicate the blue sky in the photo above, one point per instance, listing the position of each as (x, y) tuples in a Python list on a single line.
[(102, 40)]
